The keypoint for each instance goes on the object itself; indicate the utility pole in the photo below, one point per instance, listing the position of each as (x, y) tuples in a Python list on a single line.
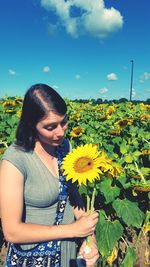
[(132, 64)]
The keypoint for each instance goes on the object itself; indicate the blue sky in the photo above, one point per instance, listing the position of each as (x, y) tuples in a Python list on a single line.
[(82, 48)]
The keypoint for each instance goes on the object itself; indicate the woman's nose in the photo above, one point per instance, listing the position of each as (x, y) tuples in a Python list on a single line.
[(60, 131)]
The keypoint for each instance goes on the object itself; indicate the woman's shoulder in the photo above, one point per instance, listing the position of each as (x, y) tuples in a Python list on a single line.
[(16, 156), (14, 150)]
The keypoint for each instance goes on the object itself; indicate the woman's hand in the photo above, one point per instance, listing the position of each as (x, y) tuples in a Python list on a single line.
[(86, 224), (92, 256)]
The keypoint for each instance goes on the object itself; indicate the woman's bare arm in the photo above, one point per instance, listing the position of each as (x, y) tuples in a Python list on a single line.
[(11, 205)]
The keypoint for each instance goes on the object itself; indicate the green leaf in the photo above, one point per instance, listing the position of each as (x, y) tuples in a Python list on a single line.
[(145, 171), (128, 158), (129, 259), (117, 140), (122, 179), (129, 212), (136, 153), (110, 192), (123, 148), (83, 190), (107, 233)]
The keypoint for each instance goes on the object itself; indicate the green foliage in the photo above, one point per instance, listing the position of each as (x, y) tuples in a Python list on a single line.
[(108, 233), (129, 259), (122, 130), (129, 212), (110, 192)]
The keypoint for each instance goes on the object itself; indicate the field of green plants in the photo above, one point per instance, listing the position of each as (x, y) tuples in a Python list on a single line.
[(122, 132)]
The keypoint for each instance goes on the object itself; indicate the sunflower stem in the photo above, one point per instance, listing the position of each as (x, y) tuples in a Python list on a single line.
[(93, 199), (90, 208), (146, 141), (88, 240), (140, 173), (88, 203)]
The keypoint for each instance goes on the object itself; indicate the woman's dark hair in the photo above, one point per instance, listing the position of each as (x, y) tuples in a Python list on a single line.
[(38, 101)]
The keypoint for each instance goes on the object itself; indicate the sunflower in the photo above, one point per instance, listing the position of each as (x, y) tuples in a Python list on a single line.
[(116, 131), (18, 113), (77, 131), (110, 111), (123, 123), (75, 117), (115, 170), (144, 107), (9, 104), (82, 164), (146, 152), (108, 166), (145, 117)]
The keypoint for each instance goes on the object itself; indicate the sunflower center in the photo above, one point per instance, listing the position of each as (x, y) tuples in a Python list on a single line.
[(83, 164), (77, 131)]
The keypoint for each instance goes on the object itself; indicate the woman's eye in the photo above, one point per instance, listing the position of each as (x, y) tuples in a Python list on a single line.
[(64, 122), (50, 128)]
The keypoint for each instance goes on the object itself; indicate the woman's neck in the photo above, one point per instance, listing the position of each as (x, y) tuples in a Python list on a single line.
[(41, 147)]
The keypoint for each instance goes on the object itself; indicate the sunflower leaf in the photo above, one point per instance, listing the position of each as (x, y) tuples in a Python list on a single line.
[(129, 259), (107, 233), (83, 190), (128, 158), (110, 192), (129, 212)]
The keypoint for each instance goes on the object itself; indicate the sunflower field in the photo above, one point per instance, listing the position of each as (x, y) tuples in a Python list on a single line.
[(121, 134)]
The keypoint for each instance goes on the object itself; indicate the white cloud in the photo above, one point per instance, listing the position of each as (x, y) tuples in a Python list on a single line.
[(141, 81), (78, 77), (112, 77), (94, 18), (46, 69), (133, 92), (145, 77), (103, 90), (12, 72)]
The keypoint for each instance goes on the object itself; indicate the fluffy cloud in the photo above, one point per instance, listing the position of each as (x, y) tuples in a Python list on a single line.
[(112, 77), (103, 90), (77, 77), (145, 77), (89, 17), (133, 92), (46, 69), (12, 72)]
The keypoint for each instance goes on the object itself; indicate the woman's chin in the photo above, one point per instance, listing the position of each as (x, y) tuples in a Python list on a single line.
[(57, 142)]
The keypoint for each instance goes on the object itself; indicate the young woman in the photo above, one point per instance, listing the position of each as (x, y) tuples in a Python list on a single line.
[(42, 214)]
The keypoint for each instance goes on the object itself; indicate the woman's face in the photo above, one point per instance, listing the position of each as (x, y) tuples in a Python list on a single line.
[(51, 129)]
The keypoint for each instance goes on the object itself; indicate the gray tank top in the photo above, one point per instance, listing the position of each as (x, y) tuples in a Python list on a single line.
[(41, 189)]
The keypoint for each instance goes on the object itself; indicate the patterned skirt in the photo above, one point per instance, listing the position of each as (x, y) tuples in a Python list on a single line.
[(46, 254)]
